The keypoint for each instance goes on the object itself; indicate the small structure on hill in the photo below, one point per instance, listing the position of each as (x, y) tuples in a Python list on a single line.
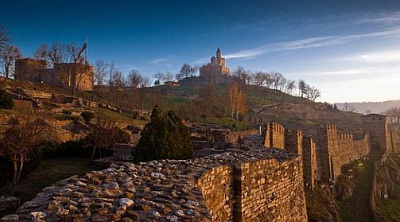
[(216, 71)]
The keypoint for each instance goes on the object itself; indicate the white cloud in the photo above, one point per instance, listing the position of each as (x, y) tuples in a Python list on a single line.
[(316, 42), (159, 61), (386, 18), (347, 72), (383, 56)]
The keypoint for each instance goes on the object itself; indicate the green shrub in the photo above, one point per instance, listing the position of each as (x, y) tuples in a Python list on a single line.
[(66, 112), (87, 116), (165, 137), (6, 100)]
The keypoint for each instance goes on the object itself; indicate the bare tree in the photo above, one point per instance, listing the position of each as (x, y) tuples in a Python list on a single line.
[(158, 76), (302, 86), (237, 100), (100, 72), (268, 80), (145, 82), (241, 74), (186, 71), (259, 79), (276, 78), (4, 39), (103, 135), (282, 84), (20, 139), (290, 86), (168, 76), (179, 76), (312, 93), (135, 79), (8, 56)]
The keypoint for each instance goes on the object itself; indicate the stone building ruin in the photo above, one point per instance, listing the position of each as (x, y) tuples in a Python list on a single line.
[(62, 74)]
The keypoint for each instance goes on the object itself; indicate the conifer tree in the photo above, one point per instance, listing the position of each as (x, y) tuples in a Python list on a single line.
[(165, 137)]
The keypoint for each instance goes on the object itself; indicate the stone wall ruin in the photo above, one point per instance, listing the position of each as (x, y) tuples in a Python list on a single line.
[(242, 186)]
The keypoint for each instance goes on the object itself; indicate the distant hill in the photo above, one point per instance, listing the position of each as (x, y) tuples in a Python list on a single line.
[(373, 107)]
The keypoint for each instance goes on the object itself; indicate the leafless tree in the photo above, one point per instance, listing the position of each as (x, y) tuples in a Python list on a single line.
[(100, 72), (290, 86), (158, 76), (179, 76), (268, 80), (259, 78), (393, 113), (145, 81), (103, 134), (168, 76), (118, 79), (135, 79), (312, 93), (4, 39), (8, 56), (276, 77), (241, 74), (20, 139), (282, 84), (302, 86), (186, 70)]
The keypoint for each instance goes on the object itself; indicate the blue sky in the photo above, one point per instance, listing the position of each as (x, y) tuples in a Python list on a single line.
[(349, 50)]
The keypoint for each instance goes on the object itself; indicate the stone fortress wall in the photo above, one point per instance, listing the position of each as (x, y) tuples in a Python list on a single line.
[(324, 155), (263, 183), (257, 185)]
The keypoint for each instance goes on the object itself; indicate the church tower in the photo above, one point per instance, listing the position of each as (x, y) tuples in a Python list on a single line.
[(218, 56)]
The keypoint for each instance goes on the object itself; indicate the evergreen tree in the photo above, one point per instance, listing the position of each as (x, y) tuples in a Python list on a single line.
[(165, 137)]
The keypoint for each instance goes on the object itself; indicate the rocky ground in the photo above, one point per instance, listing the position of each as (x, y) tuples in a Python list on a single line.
[(164, 190)]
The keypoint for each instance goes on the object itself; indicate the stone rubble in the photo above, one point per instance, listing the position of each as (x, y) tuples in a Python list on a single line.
[(160, 190)]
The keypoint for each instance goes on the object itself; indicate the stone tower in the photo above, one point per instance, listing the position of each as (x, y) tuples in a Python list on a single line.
[(377, 126)]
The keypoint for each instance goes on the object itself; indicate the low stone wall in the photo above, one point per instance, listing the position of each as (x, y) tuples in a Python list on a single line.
[(270, 191), (217, 189), (260, 184), (8, 202)]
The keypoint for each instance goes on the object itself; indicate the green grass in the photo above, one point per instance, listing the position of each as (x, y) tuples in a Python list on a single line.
[(49, 172), (228, 123), (356, 208), (389, 208), (113, 116)]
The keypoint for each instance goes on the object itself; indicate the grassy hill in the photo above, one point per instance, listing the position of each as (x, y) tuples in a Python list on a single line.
[(205, 102)]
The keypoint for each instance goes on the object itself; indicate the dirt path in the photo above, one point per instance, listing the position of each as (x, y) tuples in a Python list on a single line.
[(357, 206)]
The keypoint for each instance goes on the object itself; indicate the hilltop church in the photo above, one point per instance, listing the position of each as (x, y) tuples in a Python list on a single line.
[(216, 71)]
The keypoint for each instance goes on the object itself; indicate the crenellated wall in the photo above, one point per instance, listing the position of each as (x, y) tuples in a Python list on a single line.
[(395, 136), (274, 136), (336, 150), (309, 162), (294, 141)]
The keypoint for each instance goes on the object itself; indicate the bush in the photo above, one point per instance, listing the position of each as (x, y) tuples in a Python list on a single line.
[(87, 116), (6, 100), (135, 115), (66, 112), (165, 137)]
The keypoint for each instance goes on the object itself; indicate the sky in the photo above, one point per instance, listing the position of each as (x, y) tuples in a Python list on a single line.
[(349, 50)]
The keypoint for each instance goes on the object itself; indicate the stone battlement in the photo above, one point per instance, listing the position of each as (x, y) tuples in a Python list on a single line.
[(345, 136), (261, 184)]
